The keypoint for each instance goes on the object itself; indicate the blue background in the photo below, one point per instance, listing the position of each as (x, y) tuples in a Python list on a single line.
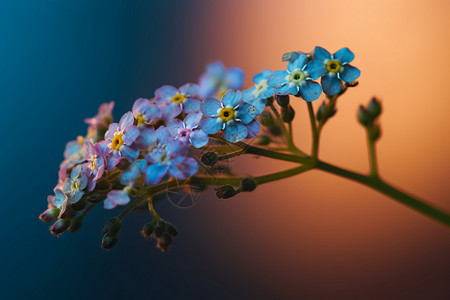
[(59, 60)]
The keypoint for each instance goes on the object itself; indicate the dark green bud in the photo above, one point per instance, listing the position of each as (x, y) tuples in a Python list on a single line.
[(109, 241), (164, 242), (287, 114), (95, 197), (112, 227), (59, 226), (102, 185), (209, 158), (248, 185), (282, 100), (364, 117), (321, 111), (374, 132), (50, 215), (148, 229), (75, 223), (289, 56), (266, 119), (67, 210), (172, 230), (225, 192), (80, 204), (374, 108), (263, 140), (158, 231)]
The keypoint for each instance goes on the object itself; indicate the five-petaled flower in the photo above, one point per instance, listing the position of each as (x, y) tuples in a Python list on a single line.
[(298, 79), (232, 115), (334, 68), (217, 80), (73, 187), (178, 100), (144, 111), (187, 131), (258, 94), (95, 165)]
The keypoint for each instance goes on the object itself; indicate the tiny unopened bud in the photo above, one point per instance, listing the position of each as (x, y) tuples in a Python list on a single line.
[(266, 119), (75, 224), (81, 204), (172, 230), (59, 226), (282, 100), (209, 158), (164, 242), (49, 215), (102, 185), (112, 227), (374, 132), (67, 210), (289, 56), (321, 111), (225, 192), (364, 117), (287, 114), (263, 140), (248, 185), (148, 229), (158, 231), (374, 108), (109, 241), (95, 197)]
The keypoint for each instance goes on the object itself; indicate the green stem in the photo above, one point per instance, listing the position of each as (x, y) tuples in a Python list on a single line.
[(372, 157), (384, 188), (315, 132)]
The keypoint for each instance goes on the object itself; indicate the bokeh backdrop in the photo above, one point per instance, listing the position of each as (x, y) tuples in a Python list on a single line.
[(314, 236)]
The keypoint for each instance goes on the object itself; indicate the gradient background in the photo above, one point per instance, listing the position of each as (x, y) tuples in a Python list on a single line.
[(315, 236)]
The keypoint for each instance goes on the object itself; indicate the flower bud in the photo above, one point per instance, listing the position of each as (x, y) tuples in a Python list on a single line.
[(112, 227), (282, 100), (374, 108), (289, 56), (287, 114), (158, 231), (109, 241), (75, 223), (248, 185), (263, 140), (321, 111), (50, 215), (148, 229), (102, 185), (172, 230), (59, 226), (95, 197), (225, 192), (374, 132), (81, 204), (67, 211), (364, 117), (164, 242), (209, 158)]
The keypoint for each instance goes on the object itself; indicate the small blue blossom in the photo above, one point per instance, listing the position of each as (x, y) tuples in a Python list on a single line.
[(173, 101), (74, 153), (217, 79), (187, 131), (116, 197), (73, 187), (95, 165), (144, 111), (120, 139), (298, 79), (57, 199), (258, 94), (167, 156), (130, 175), (335, 68), (104, 116), (232, 115)]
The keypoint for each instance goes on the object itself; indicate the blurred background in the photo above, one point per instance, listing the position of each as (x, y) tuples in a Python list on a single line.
[(314, 236)]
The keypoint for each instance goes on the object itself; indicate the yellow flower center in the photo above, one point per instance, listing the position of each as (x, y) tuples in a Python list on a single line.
[(92, 165), (333, 66), (117, 141), (178, 98), (226, 114), (140, 119), (222, 93), (80, 140)]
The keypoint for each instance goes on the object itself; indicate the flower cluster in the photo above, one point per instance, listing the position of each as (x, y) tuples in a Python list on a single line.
[(158, 141)]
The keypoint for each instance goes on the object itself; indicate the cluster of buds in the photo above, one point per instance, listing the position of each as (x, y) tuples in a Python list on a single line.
[(368, 116), (162, 231)]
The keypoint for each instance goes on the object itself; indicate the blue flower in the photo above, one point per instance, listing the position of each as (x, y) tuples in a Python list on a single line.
[(258, 94), (116, 197), (167, 156), (187, 131), (120, 138), (73, 187), (96, 164), (130, 175), (184, 99), (298, 79), (335, 68), (144, 111), (232, 115), (74, 153), (217, 79)]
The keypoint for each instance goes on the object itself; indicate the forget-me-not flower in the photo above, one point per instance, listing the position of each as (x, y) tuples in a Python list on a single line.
[(144, 111), (187, 131), (258, 94), (96, 164), (183, 99), (73, 187), (217, 79)]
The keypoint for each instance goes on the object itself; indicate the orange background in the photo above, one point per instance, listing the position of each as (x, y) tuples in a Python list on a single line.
[(317, 235)]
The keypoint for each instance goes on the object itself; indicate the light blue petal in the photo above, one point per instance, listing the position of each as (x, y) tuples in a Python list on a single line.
[(164, 94), (249, 94), (216, 69), (126, 120), (162, 134), (278, 78), (310, 90), (344, 55), (235, 132), (199, 138), (350, 73), (258, 103), (207, 86), (264, 75), (130, 135), (155, 173), (321, 54), (191, 105), (297, 63), (174, 126), (232, 98), (130, 153), (184, 169), (151, 112), (286, 89), (111, 130), (315, 69), (116, 198), (246, 113), (113, 160), (266, 92), (211, 125), (189, 89), (210, 106), (176, 148), (131, 174), (192, 119), (235, 78), (171, 111), (76, 196), (82, 180), (73, 147), (331, 84), (253, 129), (145, 138)]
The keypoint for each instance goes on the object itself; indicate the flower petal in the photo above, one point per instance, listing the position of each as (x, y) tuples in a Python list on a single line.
[(210, 106), (253, 129), (199, 138), (235, 132), (191, 105), (174, 126), (232, 98), (344, 55), (278, 78), (111, 130), (246, 112), (264, 75), (297, 63), (211, 125), (126, 120), (321, 54), (189, 89), (184, 169), (164, 94), (131, 153), (171, 111), (315, 69), (331, 84), (286, 89), (130, 134), (350, 73), (192, 119), (155, 173), (310, 90), (235, 78)]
